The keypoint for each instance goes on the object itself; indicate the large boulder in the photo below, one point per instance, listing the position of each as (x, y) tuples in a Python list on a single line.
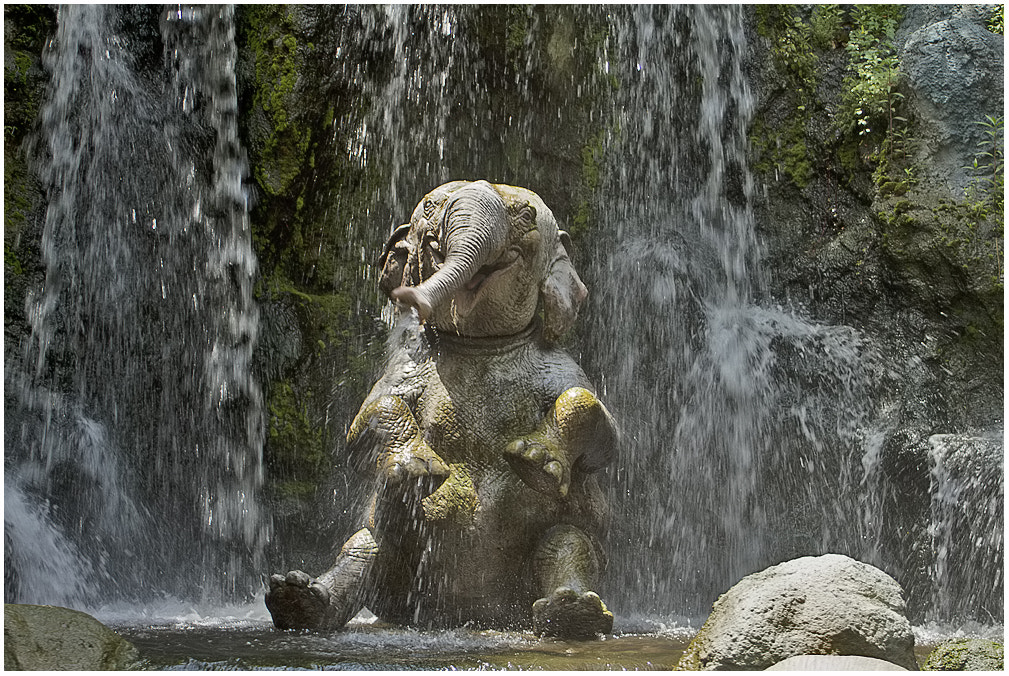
[(968, 654), (49, 637), (954, 68), (824, 605)]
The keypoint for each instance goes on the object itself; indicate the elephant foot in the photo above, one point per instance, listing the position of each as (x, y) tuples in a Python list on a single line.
[(569, 615), (539, 466), (407, 478), (296, 601)]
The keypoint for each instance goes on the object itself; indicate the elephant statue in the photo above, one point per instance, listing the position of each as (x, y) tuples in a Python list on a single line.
[(480, 441)]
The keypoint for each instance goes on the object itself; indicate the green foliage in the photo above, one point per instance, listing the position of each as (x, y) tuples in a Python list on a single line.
[(782, 147), (16, 190), (26, 28), (791, 48), (11, 261), (783, 150), (966, 655), (592, 160), (517, 23), (870, 101), (275, 53), (987, 191), (996, 24), (826, 26), (869, 94), (295, 442), (977, 228)]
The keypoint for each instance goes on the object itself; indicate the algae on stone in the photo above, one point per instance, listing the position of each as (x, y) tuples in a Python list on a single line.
[(971, 654)]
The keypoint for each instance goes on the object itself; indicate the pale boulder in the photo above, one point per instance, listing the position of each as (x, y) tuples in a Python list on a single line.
[(824, 605)]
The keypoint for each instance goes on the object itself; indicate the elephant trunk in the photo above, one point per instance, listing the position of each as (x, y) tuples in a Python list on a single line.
[(473, 232)]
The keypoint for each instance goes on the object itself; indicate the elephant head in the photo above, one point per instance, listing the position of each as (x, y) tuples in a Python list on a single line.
[(482, 260)]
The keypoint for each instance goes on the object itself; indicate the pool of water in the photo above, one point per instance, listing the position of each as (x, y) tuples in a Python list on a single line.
[(243, 638), (251, 646)]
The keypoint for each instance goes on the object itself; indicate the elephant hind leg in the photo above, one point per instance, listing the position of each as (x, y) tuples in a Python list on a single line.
[(567, 566), (296, 601)]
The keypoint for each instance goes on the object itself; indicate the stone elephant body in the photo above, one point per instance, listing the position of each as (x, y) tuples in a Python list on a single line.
[(481, 438)]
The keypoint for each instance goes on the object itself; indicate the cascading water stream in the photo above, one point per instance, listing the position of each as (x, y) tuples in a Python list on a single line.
[(740, 419), (136, 437)]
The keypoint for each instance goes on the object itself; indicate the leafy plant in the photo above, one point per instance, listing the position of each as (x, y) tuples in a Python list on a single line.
[(977, 229), (873, 69), (987, 190), (996, 24), (825, 24), (782, 147), (791, 49)]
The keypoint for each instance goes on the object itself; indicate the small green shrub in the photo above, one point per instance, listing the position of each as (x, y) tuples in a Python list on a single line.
[(987, 191), (826, 23), (996, 24), (869, 94), (973, 228)]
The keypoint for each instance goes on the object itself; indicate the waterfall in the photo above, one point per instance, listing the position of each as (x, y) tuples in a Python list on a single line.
[(966, 524), (742, 420), (135, 439)]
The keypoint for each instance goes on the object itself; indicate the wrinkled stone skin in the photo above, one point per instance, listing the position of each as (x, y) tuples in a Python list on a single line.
[(481, 438)]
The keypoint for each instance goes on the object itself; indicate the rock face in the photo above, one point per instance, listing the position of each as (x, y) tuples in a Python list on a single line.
[(49, 637), (826, 605), (972, 654), (954, 70)]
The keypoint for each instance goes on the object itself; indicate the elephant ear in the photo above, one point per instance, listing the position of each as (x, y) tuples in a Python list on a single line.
[(394, 260), (562, 292)]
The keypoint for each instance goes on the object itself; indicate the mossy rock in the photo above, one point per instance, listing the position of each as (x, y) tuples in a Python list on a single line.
[(971, 654), (52, 638)]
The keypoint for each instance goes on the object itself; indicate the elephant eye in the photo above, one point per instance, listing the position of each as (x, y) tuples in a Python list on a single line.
[(433, 246)]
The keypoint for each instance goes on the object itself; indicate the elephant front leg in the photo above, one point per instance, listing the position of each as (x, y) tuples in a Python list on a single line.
[(567, 568), (577, 434), (385, 436), (297, 601)]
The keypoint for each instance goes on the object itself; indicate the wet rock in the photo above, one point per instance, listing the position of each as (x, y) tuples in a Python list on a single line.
[(49, 637), (954, 66), (825, 605), (972, 654)]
